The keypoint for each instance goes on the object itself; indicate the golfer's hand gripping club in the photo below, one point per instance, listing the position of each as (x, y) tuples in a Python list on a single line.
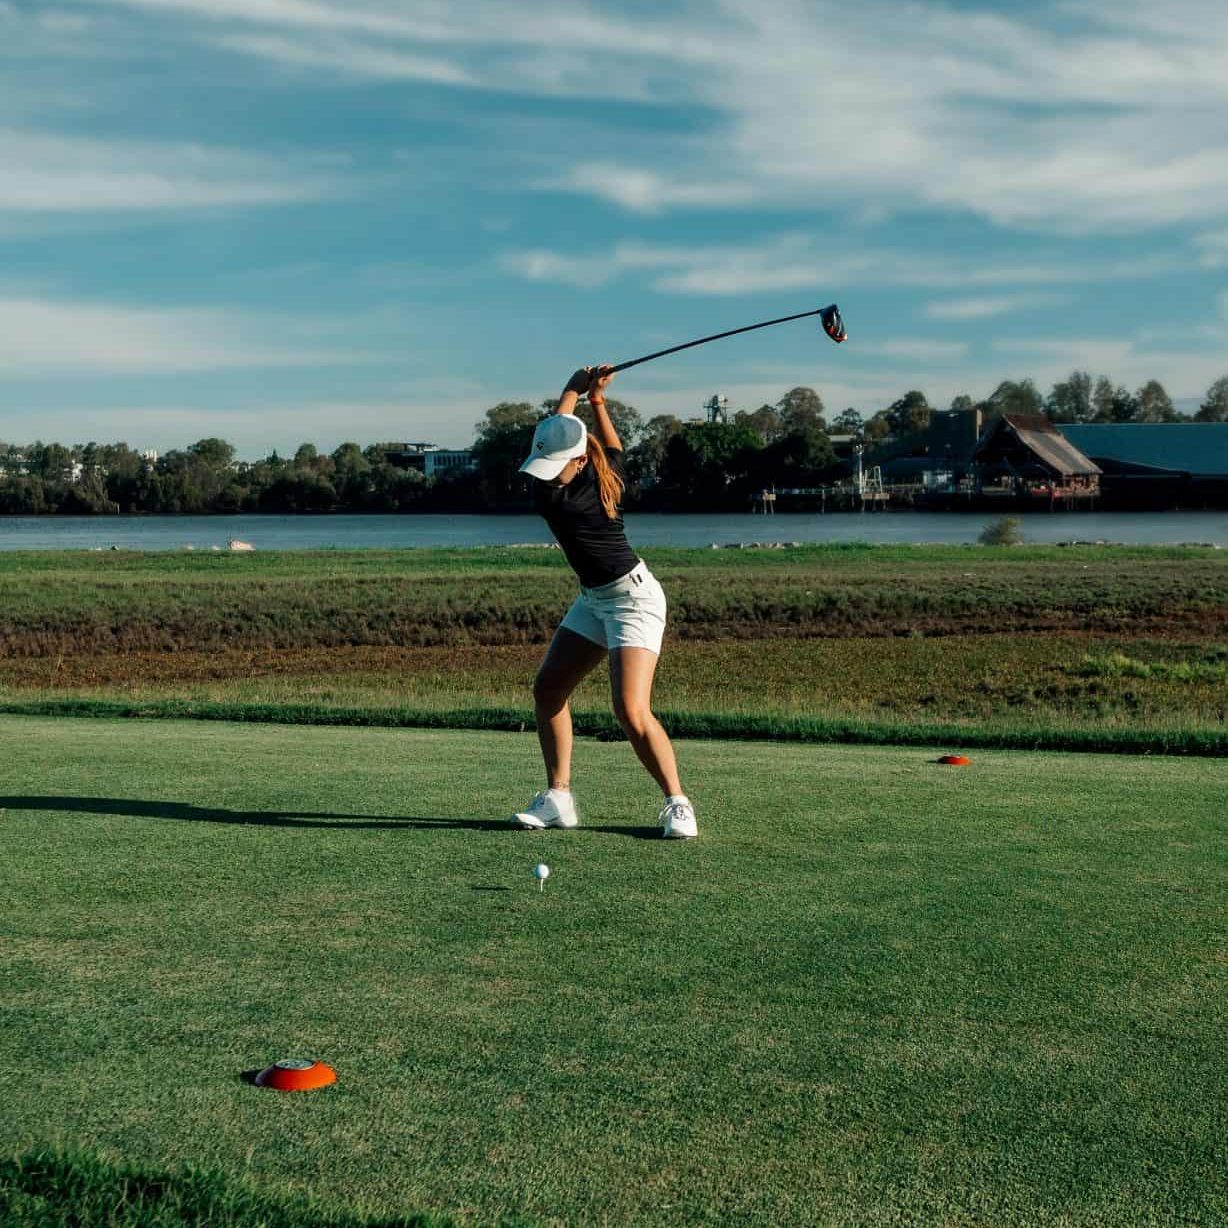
[(590, 381), (580, 381)]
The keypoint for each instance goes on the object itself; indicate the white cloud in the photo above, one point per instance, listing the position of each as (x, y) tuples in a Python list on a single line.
[(916, 350), (986, 307), (1069, 353), (60, 21), (647, 191), (254, 429), (356, 59), (794, 261), (1214, 248), (53, 174), (40, 336), (1080, 116), (558, 269)]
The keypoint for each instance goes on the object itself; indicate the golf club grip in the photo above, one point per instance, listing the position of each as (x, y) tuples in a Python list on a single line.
[(635, 362)]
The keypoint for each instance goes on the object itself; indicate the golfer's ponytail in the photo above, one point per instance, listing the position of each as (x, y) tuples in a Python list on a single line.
[(609, 484)]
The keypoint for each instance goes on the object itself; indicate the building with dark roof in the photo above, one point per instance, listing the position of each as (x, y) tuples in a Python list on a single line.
[(1157, 464), (1024, 458)]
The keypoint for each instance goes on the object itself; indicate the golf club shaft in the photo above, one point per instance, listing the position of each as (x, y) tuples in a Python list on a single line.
[(801, 315)]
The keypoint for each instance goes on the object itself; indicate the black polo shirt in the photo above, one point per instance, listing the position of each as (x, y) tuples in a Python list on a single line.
[(595, 546)]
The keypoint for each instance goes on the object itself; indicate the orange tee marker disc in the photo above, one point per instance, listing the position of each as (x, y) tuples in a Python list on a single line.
[(956, 760), (296, 1075)]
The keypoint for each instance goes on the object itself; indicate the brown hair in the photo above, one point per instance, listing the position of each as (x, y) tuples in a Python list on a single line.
[(609, 484)]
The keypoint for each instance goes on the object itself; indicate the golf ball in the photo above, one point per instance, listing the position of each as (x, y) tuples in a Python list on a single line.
[(541, 870)]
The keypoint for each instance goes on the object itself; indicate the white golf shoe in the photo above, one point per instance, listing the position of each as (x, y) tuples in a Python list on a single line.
[(677, 819), (549, 808)]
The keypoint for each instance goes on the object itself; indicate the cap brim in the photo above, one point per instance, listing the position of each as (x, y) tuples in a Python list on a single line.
[(546, 468)]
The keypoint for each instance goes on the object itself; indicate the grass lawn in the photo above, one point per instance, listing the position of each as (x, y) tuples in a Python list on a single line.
[(876, 991)]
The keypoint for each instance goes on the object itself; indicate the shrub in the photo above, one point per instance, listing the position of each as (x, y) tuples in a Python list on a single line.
[(1005, 531)]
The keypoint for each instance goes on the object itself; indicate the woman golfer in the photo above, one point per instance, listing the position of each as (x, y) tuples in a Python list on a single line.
[(620, 612)]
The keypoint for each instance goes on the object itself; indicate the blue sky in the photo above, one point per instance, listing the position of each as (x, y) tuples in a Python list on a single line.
[(289, 220)]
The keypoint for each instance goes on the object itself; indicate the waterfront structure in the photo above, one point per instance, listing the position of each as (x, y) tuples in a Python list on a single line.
[(1157, 464), (1024, 458)]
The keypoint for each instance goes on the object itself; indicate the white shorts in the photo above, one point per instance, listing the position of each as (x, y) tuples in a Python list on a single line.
[(628, 613)]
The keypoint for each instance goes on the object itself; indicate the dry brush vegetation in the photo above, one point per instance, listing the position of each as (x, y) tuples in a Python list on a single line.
[(1105, 638)]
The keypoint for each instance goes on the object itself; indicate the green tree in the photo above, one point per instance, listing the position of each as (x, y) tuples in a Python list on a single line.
[(1102, 400), (796, 459), (848, 423), (51, 462), (1215, 406), (1071, 399), (962, 402), (801, 409), (877, 428), (503, 441), (351, 476), (1124, 405), (300, 490), (910, 413), (708, 466), (1154, 404), (396, 490), (23, 495), (765, 422), (88, 496), (1011, 397), (645, 459), (217, 454)]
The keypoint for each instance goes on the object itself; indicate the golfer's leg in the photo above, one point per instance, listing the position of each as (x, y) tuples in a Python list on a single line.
[(631, 674), (568, 661)]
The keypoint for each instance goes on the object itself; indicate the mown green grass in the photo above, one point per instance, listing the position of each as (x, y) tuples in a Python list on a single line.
[(52, 1187), (875, 991)]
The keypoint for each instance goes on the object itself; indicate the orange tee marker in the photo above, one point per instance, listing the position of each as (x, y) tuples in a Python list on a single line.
[(296, 1075)]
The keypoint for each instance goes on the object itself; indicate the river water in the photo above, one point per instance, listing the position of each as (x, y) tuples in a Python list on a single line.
[(395, 532)]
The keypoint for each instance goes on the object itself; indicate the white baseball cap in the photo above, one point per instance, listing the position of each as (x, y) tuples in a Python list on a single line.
[(557, 439)]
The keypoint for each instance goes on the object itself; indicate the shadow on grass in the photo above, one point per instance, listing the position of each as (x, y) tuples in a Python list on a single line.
[(140, 809), (182, 811)]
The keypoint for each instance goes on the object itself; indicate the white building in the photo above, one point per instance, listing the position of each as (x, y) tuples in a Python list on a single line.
[(430, 459)]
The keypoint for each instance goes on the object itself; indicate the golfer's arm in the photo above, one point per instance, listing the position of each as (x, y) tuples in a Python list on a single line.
[(567, 403), (604, 426)]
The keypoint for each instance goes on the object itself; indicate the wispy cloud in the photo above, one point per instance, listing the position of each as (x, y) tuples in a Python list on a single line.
[(794, 261), (987, 307), (917, 350), (1131, 362), (257, 429), (1214, 248), (352, 58), (1094, 353), (1079, 116), (45, 336), (55, 174)]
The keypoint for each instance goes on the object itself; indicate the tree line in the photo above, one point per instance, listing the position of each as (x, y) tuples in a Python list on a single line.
[(671, 464)]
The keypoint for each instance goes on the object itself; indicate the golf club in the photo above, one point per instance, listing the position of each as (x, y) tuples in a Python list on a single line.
[(829, 317)]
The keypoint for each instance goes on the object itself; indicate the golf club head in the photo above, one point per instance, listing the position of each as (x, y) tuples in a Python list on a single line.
[(833, 325)]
